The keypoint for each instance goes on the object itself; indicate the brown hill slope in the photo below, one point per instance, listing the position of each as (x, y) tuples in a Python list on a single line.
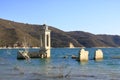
[(91, 40), (13, 32)]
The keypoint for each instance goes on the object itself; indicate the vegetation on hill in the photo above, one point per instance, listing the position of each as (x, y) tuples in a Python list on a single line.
[(13, 34)]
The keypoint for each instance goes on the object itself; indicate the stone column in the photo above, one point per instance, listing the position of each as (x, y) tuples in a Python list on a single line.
[(98, 54), (83, 55)]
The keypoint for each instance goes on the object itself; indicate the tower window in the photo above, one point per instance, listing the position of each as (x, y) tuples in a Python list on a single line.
[(47, 40)]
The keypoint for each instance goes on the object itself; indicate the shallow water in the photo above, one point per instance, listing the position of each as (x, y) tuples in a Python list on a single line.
[(59, 68)]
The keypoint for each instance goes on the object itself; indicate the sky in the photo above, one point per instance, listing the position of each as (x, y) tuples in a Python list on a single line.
[(94, 16)]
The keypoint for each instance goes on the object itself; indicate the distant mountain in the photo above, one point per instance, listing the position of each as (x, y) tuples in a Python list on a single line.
[(90, 40), (12, 33)]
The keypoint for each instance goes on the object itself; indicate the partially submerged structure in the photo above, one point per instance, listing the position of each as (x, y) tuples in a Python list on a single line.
[(98, 55), (83, 55), (45, 46), (71, 45), (45, 41)]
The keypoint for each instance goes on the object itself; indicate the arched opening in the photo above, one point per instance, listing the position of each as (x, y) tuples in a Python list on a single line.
[(47, 40)]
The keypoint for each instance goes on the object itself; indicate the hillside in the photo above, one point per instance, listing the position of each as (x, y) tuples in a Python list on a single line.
[(14, 32), (91, 40)]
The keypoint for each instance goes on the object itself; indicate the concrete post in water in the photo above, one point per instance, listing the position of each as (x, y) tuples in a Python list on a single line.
[(45, 40), (83, 55), (98, 54)]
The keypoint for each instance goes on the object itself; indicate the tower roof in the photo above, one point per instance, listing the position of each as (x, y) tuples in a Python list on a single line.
[(45, 27)]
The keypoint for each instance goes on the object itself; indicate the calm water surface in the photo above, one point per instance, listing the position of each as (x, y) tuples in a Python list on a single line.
[(59, 68)]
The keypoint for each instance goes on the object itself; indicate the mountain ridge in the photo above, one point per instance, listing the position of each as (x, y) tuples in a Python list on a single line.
[(12, 33)]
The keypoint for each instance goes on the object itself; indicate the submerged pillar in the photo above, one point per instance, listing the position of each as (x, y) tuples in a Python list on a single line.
[(45, 40), (83, 55), (98, 54)]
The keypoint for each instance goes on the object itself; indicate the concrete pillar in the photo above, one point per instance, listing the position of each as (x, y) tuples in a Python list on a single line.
[(98, 54), (83, 55), (45, 40)]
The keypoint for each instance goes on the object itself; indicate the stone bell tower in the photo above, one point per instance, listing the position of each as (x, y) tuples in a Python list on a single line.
[(45, 40)]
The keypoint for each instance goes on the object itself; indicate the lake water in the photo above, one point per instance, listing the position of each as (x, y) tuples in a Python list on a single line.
[(59, 68)]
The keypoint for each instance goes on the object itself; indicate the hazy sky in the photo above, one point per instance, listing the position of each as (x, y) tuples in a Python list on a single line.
[(94, 16)]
